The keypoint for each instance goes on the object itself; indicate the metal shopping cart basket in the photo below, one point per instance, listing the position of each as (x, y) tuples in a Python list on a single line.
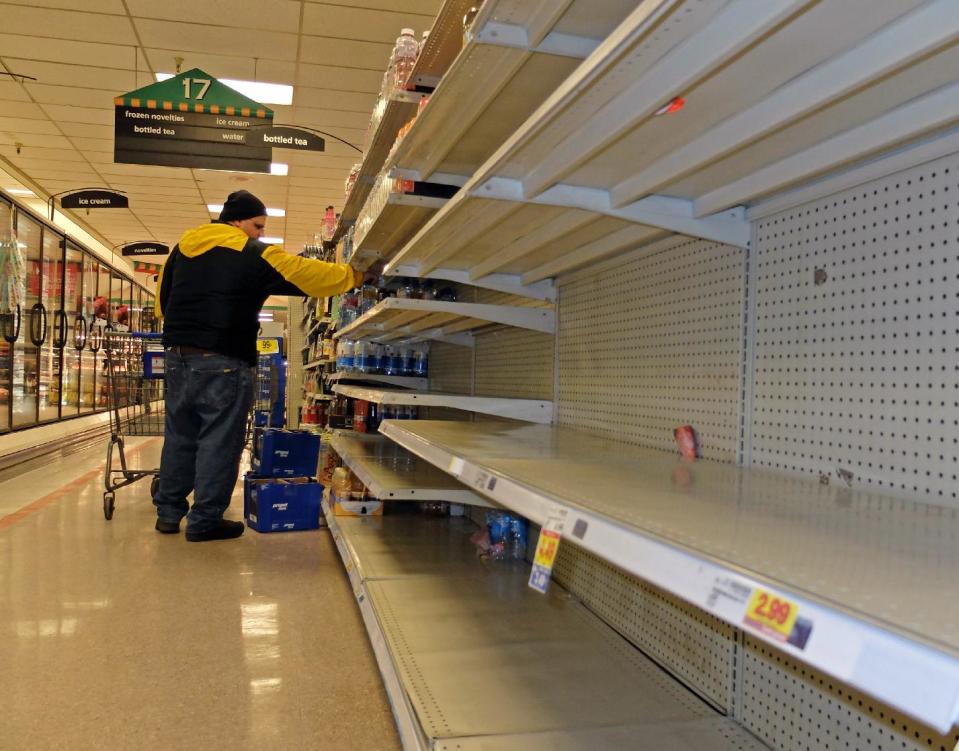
[(134, 368)]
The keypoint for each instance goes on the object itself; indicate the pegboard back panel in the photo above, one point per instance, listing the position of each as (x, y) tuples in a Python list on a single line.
[(688, 642), (656, 344), (793, 708), (515, 363), (855, 334), (451, 368)]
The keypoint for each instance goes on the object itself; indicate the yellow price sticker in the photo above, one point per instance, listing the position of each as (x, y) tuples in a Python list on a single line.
[(771, 614), (546, 548), (268, 346)]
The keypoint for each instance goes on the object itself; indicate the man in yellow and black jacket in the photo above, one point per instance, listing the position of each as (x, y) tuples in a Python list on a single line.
[(209, 295)]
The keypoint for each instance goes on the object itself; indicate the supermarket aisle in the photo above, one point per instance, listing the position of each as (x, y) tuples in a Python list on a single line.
[(117, 637)]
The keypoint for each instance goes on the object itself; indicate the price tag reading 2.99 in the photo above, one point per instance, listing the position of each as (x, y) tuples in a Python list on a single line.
[(775, 616)]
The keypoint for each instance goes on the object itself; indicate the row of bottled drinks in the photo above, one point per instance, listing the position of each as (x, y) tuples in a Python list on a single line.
[(373, 358)]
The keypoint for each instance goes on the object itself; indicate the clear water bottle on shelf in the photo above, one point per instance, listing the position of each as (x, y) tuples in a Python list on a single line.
[(361, 356), (351, 180), (404, 58), (329, 224), (346, 360), (407, 367), (421, 360), (388, 360)]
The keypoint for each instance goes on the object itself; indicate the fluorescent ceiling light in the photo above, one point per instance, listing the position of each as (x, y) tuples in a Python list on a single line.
[(216, 208), (272, 240), (258, 91), (19, 192), (278, 168)]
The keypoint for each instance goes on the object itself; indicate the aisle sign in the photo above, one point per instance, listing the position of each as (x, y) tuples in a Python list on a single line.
[(95, 199), (145, 249), (191, 120)]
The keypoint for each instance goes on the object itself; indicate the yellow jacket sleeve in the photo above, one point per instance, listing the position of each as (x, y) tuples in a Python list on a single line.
[(309, 276)]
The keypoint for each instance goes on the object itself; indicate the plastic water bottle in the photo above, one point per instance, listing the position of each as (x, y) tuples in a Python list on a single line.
[(404, 58), (421, 361), (361, 357), (407, 366), (345, 360)]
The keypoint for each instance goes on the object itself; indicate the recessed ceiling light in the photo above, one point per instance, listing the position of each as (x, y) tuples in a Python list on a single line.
[(272, 240), (216, 208), (19, 192), (278, 168), (258, 91)]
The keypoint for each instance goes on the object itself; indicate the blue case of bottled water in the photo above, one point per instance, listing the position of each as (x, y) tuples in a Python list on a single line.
[(272, 504), (285, 453)]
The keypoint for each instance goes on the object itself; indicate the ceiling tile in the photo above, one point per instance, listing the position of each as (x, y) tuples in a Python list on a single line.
[(350, 22), (345, 52), (77, 76), (21, 125), (67, 51), (54, 156), (306, 96), (425, 7), (84, 130), (96, 6), (340, 78), (62, 113), (29, 140), (72, 96), (22, 110), (13, 91), (230, 65), (65, 24), (282, 15), (221, 40)]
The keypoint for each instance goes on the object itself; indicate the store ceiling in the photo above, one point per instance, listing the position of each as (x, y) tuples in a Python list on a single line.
[(333, 53)]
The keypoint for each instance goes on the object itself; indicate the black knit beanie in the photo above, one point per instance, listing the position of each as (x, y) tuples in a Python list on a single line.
[(241, 205)]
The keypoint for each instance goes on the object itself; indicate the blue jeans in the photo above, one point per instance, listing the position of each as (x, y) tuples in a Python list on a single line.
[(208, 400)]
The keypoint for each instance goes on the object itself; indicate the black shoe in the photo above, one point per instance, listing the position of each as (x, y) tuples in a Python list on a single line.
[(167, 528), (225, 530)]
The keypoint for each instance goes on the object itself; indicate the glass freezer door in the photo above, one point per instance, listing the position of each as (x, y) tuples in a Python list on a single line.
[(26, 382), (76, 332), (91, 342), (55, 333), (8, 326)]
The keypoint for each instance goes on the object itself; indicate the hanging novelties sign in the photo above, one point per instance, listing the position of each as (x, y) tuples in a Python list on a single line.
[(191, 120), (145, 249)]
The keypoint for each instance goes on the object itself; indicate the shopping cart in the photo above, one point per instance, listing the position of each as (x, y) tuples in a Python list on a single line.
[(134, 367)]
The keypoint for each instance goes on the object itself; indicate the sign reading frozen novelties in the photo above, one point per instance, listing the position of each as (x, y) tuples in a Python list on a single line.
[(145, 249), (192, 120)]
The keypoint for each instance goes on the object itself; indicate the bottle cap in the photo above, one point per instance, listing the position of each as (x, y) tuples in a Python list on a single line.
[(407, 32)]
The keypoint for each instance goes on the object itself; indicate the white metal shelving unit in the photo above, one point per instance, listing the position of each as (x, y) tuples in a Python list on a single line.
[(391, 473), (857, 568), (505, 667), (527, 410), (398, 110), (595, 170), (397, 319), (392, 227), (408, 382), (315, 364)]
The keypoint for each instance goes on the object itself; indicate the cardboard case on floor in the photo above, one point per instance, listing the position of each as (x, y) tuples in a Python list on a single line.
[(274, 504)]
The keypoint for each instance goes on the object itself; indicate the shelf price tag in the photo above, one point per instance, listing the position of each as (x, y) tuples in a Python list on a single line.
[(268, 346), (546, 550), (777, 617)]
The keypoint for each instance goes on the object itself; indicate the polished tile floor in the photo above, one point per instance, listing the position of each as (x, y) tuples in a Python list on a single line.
[(115, 637)]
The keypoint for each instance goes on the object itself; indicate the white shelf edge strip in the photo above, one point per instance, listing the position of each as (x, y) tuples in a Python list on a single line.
[(358, 463), (914, 678), (411, 736)]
